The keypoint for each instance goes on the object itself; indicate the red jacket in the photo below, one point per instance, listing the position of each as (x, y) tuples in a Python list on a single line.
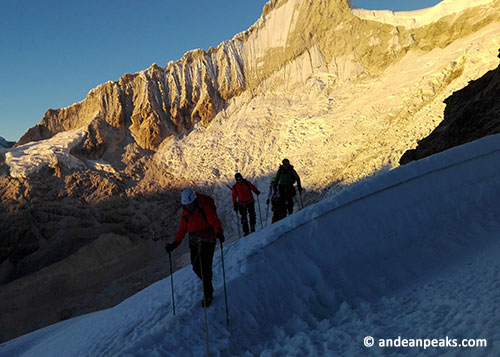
[(206, 200), (243, 191), (202, 222)]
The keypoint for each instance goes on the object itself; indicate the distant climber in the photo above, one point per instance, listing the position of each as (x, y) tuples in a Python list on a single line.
[(285, 178), (274, 198), (244, 203), (200, 220)]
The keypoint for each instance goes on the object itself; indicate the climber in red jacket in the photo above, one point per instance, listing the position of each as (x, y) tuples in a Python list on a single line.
[(244, 203), (200, 220)]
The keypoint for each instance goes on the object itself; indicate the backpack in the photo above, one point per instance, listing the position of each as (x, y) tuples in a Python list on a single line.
[(246, 184), (207, 200), (287, 175)]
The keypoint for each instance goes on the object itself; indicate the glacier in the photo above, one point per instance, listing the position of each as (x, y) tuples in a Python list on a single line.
[(411, 253)]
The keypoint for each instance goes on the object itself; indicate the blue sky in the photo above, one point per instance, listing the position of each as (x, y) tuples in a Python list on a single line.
[(54, 51)]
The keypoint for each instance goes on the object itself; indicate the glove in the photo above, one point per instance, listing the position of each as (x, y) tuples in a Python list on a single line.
[(267, 202), (257, 192), (235, 205), (171, 246), (220, 236), (300, 188)]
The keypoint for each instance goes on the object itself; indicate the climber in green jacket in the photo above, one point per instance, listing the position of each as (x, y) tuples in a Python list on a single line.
[(285, 179)]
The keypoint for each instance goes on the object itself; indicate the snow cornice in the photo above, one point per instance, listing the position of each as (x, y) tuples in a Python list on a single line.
[(418, 18)]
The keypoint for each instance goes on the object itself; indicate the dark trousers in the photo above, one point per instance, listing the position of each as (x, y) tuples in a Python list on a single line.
[(278, 209), (286, 194), (203, 253), (245, 211)]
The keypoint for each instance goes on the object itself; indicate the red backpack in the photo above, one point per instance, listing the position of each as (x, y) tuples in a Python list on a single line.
[(207, 200)]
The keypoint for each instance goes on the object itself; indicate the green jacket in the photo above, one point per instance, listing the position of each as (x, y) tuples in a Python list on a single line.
[(287, 176)]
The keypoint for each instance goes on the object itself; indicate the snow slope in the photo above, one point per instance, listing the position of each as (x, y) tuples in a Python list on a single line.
[(331, 132), (30, 158), (421, 17), (412, 252)]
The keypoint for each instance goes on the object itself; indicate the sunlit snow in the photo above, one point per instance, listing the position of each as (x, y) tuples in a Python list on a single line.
[(30, 158), (421, 17)]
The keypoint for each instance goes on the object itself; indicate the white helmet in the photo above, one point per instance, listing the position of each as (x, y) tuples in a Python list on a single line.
[(187, 196)]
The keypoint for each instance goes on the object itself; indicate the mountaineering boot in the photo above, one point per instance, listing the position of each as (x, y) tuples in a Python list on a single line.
[(252, 229)]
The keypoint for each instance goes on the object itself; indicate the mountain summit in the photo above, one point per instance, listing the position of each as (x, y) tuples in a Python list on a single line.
[(292, 41)]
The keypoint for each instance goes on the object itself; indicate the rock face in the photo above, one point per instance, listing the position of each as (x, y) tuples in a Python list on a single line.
[(72, 244), (323, 36), (89, 196), (5, 144), (471, 113), (71, 286)]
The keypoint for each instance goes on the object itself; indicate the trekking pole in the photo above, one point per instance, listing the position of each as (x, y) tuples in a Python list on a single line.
[(204, 301), (260, 214), (267, 213), (224, 278), (237, 224), (171, 281), (296, 202), (236, 213), (301, 203)]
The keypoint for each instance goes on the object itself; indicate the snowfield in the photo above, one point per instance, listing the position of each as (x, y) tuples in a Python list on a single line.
[(410, 253), (30, 158), (421, 17)]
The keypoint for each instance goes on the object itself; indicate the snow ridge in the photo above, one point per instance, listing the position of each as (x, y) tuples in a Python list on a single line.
[(418, 18), (319, 281)]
